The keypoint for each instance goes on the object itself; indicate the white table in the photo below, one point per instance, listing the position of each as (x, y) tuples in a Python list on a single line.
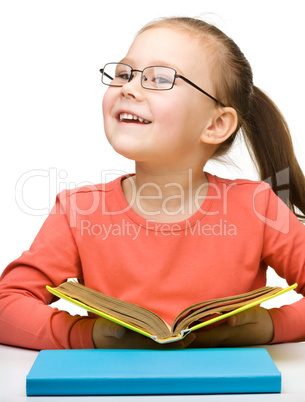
[(15, 364)]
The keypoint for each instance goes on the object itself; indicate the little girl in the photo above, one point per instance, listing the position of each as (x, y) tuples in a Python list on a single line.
[(171, 234)]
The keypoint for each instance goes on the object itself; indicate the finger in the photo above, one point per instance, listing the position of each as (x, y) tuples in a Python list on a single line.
[(212, 338), (109, 328), (188, 340), (245, 317)]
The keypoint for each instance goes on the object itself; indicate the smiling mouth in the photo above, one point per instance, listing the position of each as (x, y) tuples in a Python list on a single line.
[(132, 118)]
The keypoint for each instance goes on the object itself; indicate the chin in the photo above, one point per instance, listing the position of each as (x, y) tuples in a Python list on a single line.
[(124, 146), (124, 149)]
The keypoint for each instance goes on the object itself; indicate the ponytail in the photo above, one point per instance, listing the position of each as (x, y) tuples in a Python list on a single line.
[(264, 128), (269, 141)]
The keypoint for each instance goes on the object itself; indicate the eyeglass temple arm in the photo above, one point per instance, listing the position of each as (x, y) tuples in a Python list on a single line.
[(199, 89), (108, 76)]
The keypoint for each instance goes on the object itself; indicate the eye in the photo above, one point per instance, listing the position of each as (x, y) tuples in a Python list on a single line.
[(123, 76), (162, 80), (122, 73), (159, 77)]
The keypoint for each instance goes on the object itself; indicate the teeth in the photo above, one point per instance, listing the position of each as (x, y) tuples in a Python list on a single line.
[(128, 116)]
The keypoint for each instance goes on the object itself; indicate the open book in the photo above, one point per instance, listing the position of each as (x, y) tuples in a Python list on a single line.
[(147, 323)]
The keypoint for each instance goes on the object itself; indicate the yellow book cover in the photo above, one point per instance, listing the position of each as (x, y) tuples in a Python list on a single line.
[(149, 324)]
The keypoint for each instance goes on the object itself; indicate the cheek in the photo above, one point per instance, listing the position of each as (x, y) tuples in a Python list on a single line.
[(167, 112), (107, 103), (175, 116)]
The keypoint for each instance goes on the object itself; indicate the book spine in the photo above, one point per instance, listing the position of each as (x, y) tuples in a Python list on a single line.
[(154, 386)]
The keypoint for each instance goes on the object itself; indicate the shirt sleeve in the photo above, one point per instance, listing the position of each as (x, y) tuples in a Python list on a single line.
[(26, 319), (283, 250)]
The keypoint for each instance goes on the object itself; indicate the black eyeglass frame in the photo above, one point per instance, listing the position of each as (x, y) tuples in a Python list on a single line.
[(158, 89)]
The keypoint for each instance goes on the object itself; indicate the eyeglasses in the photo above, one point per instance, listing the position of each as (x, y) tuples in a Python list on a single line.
[(157, 78)]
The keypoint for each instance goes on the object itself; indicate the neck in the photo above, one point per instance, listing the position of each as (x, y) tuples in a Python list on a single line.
[(166, 196)]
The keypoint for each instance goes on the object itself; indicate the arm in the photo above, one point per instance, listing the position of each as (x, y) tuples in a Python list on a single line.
[(283, 249), (26, 320)]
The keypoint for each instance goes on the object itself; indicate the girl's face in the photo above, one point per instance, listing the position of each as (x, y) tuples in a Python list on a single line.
[(177, 117)]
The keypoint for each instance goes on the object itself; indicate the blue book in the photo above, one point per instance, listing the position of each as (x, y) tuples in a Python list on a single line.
[(148, 372)]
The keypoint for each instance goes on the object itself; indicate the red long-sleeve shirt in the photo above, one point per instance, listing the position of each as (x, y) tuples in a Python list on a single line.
[(94, 235)]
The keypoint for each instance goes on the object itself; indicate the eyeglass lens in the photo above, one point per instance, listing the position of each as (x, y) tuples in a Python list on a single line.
[(155, 77)]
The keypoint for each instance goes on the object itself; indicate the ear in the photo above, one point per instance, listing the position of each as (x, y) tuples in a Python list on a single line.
[(222, 125)]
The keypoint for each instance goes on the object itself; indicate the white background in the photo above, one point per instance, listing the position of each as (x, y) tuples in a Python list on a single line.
[(51, 97)]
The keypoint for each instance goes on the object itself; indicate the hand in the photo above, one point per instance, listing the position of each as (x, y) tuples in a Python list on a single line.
[(250, 327), (109, 335)]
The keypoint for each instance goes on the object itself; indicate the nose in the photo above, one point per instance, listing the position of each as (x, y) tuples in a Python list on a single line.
[(133, 88)]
